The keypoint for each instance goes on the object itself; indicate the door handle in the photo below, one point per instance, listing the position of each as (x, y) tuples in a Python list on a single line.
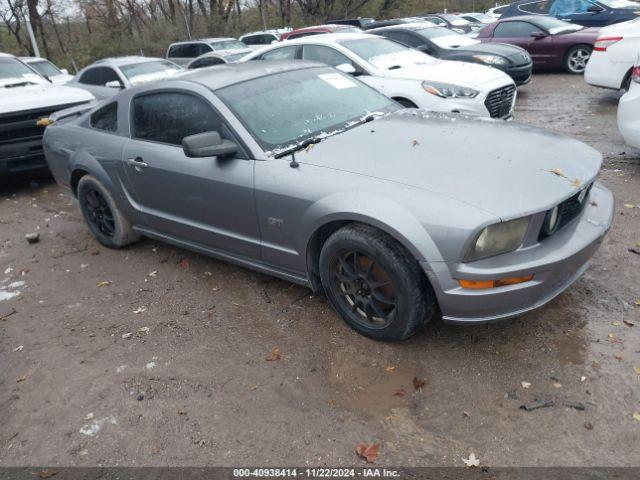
[(137, 163)]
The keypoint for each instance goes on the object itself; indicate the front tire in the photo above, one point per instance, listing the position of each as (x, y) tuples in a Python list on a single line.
[(375, 284), (105, 220), (575, 61)]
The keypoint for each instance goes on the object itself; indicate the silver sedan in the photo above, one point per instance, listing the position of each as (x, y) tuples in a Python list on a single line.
[(300, 171)]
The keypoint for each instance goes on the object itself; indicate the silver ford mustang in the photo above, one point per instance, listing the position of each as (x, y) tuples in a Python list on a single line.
[(300, 171)]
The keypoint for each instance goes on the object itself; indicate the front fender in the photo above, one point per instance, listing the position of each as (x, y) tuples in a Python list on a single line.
[(378, 211)]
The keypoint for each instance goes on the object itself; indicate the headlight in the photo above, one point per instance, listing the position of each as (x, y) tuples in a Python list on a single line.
[(491, 59), (448, 90), (498, 238)]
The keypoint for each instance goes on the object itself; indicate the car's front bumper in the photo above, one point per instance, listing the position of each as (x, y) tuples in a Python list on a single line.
[(21, 158), (555, 264)]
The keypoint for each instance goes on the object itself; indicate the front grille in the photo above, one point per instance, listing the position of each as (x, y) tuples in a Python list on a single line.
[(499, 101), (570, 208), (21, 126)]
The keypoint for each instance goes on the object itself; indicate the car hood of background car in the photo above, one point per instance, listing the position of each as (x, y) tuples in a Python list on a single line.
[(17, 99), (511, 52), (506, 169), (448, 71)]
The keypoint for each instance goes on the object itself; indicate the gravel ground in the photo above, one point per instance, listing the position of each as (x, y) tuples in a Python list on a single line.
[(192, 386)]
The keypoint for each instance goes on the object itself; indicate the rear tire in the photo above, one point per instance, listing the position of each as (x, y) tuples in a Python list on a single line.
[(105, 220), (576, 58), (375, 284)]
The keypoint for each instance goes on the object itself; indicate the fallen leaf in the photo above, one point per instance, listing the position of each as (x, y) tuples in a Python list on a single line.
[(558, 172), (390, 369), (616, 323), (401, 392), (636, 416), (629, 205), (415, 143), (525, 384), (153, 274), (637, 370), (184, 263), (48, 473), (576, 183), (466, 414), (104, 283), (588, 425), (140, 310), (557, 385), (126, 335), (593, 204), (182, 411), (18, 348), (275, 355), (472, 461), (143, 330), (21, 378), (418, 383), (617, 356), (368, 453), (595, 366), (631, 323)]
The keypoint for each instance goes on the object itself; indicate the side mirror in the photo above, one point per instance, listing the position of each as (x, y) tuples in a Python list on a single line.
[(594, 9), (208, 144), (65, 71), (347, 68), (114, 84), (538, 35)]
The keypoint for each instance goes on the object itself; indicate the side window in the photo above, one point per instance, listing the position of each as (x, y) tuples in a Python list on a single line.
[(206, 62), (175, 51), (170, 116), (539, 8), (325, 55), (515, 29), (90, 77), (106, 118), (204, 48), (405, 38), (109, 75), (284, 53), (569, 7)]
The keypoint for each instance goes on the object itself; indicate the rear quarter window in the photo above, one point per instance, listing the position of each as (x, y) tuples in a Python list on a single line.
[(106, 118)]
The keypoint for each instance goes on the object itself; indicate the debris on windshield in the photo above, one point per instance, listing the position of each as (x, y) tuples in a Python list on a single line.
[(558, 172), (415, 143), (368, 452)]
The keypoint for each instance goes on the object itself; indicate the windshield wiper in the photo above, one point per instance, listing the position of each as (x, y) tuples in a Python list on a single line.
[(300, 146), (17, 84)]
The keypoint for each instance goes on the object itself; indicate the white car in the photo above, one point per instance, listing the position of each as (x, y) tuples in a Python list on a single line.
[(615, 52), (107, 77), (496, 12), (256, 40), (48, 70), (218, 57), (629, 111), (409, 76), (25, 99), (183, 53)]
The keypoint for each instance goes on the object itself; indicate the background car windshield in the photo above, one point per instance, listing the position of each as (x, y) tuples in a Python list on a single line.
[(45, 68), (454, 20), (284, 109), (14, 72), (228, 45), (445, 38), (148, 71), (384, 54), (235, 56)]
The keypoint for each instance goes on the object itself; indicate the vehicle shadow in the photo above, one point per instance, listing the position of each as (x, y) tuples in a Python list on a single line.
[(14, 186)]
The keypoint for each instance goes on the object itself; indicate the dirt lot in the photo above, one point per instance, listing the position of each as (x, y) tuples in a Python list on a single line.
[(196, 389)]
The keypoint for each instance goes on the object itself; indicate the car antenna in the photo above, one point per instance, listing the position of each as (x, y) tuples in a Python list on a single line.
[(293, 163)]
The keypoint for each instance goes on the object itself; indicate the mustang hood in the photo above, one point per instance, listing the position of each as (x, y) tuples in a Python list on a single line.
[(17, 99), (449, 71), (506, 169)]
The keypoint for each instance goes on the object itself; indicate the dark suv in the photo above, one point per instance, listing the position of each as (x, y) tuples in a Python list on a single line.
[(589, 13)]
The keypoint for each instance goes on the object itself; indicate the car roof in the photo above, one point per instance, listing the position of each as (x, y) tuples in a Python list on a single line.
[(330, 38), (261, 32), (220, 76), (330, 26), (33, 59), (406, 26), (7, 55), (205, 40), (120, 61)]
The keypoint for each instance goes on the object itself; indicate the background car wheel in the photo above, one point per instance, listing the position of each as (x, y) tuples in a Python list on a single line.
[(105, 220), (575, 61), (375, 284)]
